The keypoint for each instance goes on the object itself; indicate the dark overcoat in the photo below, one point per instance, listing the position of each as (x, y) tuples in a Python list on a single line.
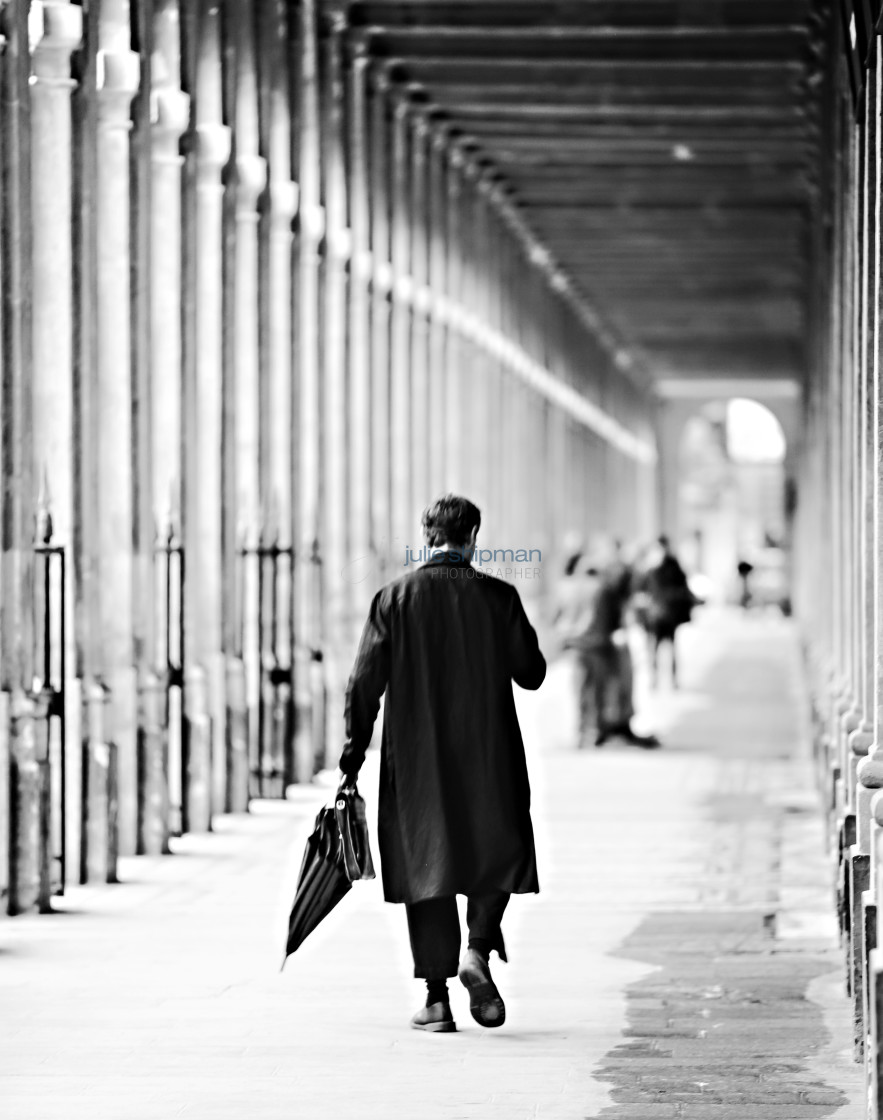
[(445, 642)]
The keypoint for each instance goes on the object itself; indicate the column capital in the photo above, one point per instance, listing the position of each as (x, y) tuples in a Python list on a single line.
[(55, 30), (284, 200), (118, 76), (870, 770), (340, 243), (213, 144), (403, 289), (169, 118), (471, 169), (861, 739), (382, 280), (337, 13), (401, 103), (359, 44), (251, 182), (486, 183), (312, 222), (363, 265), (441, 137), (421, 120), (379, 76), (499, 198)]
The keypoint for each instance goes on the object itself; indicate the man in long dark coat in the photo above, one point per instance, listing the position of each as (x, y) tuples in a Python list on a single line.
[(444, 642)]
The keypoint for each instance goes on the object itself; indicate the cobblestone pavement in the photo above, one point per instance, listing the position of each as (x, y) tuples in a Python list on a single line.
[(679, 962)]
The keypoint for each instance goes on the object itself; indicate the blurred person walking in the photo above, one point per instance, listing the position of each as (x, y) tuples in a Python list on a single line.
[(595, 629), (444, 642), (668, 604)]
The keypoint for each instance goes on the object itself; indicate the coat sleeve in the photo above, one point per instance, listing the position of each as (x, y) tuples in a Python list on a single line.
[(527, 664), (366, 685)]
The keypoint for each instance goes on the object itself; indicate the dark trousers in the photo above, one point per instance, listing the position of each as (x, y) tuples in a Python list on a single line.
[(434, 926), (605, 693)]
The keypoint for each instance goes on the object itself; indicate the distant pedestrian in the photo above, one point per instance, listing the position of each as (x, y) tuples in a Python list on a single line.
[(445, 642), (667, 605), (597, 634), (744, 569)]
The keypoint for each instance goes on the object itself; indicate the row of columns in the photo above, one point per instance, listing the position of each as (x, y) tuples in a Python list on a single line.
[(838, 542), (260, 307)]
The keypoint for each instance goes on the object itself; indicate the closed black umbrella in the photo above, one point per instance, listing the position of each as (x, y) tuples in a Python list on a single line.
[(322, 882)]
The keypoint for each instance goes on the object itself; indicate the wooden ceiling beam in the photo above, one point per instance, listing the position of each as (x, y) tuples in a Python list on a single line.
[(576, 13), (748, 38), (658, 113), (495, 68)]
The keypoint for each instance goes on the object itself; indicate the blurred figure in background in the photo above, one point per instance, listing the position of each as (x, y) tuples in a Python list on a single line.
[(666, 602), (593, 625), (744, 569)]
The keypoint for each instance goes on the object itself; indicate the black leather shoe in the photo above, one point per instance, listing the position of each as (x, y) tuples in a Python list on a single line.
[(648, 742), (488, 1009), (436, 1018)]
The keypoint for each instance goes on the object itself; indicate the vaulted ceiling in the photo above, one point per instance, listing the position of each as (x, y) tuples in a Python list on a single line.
[(662, 150)]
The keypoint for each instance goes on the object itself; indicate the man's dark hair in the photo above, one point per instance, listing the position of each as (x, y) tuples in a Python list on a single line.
[(450, 520)]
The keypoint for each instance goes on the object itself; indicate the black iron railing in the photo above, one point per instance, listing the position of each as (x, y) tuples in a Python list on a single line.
[(50, 608), (271, 760), (170, 574)]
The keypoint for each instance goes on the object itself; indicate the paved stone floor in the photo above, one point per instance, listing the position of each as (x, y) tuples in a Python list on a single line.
[(679, 962)]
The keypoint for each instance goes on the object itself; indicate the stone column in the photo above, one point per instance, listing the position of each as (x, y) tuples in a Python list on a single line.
[(868, 850), (361, 575), (439, 418), (170, 116), (849, 714), (204, 598), (279, 414), (243, 661), (381, 281), (118, 74), (861, 738), (22, 741), (309, 677), (477, 448), (336, 601), (55, 31), (455, 411), (421, 306), (403, 531)]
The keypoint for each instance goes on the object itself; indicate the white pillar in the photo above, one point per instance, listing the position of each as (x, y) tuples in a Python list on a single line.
[(118, 75), (309, 679), (205, 422), (55, 31)]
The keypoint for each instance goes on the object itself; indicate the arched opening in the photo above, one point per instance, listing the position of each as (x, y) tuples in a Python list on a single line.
[(732, 501)]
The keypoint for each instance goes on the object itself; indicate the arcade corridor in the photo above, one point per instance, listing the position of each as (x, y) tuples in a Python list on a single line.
[(276, 273)]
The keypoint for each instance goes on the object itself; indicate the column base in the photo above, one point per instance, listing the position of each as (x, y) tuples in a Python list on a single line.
[(154, 807), (275, 764), (859, 881), (309, 714), (29, 806), (874, 1056), (196, 800), (237, 791), (99, 845)]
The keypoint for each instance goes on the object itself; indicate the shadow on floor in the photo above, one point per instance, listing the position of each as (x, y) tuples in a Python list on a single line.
[(722, 1029)]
